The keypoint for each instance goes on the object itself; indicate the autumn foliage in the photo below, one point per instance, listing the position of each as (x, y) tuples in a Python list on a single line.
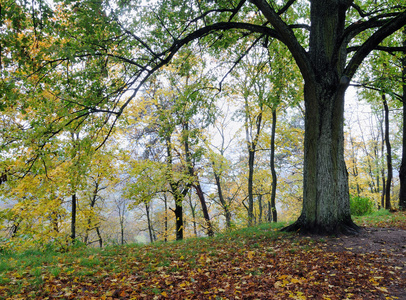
[(255, 263)]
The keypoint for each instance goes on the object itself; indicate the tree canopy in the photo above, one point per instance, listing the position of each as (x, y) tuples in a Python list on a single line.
[(77, 67)]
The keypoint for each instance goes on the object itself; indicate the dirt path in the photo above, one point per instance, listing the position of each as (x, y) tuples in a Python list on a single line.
[(389, 242)]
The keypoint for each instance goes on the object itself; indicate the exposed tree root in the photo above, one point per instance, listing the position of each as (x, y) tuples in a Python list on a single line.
[(345, 227)]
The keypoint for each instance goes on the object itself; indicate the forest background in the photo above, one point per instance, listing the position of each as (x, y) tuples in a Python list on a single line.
[(210, 141)]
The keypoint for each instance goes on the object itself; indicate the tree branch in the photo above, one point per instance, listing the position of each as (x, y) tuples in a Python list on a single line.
[(287, 37), (373, 42)]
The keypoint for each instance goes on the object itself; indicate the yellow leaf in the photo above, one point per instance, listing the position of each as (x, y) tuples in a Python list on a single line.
[(382, 289), (250, 254)]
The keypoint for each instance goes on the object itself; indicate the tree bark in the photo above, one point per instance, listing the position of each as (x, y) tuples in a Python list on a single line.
[(100, 237), (388, 156), (224, 204), (273, 171), (193, 210), (195, 179), (251, 145), (73, 218), (177, 192), (199, 191), (147, 210), (326, 75), (122, 229), (326, 208), (93, 200), (178, 212), (121, 219), (166, 219), (354, 165), (384, 183), (402, 171)]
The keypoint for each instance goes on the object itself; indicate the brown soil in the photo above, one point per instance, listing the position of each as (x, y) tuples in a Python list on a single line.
[(389, 242)]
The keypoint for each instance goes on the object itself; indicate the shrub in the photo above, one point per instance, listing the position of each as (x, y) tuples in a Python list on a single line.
[(361, 206)]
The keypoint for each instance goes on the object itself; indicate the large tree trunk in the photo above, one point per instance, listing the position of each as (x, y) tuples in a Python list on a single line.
[(326, 205), (402, 172)]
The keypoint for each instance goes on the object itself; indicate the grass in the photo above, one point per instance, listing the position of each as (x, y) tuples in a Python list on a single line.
[(31, 273), (381, 218), (84, 262)]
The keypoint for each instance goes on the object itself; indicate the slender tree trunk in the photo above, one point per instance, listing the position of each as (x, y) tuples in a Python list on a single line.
[(193, 210), (73, 218), (402, 171), (273, 171), (100, 237), (195, 178), (122, 231), (179, 216), (383, 189), (121, 218), (14, 229), (384, 182), (354, 165), (378, 178), (93, 200), (86, 238), (177, 194), (251, 158), (199, 191), (269, 215), (166, 218), (260, 208), (388, 156), (224, 204), (252, 144), (147, 210)]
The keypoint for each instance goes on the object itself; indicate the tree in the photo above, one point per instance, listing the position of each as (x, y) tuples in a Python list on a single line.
[(383, 76), (387, 202), (139, 40), (178, 111), (254, 105), (219, 164), (402, 171)]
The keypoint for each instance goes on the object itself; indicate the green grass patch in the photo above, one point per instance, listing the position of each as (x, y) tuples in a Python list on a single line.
[(382, 218)]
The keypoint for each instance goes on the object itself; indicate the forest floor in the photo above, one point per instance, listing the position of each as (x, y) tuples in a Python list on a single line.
[(252, 263)]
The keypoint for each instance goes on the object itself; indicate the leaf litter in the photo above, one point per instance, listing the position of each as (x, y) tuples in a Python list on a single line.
[(255, 263)]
